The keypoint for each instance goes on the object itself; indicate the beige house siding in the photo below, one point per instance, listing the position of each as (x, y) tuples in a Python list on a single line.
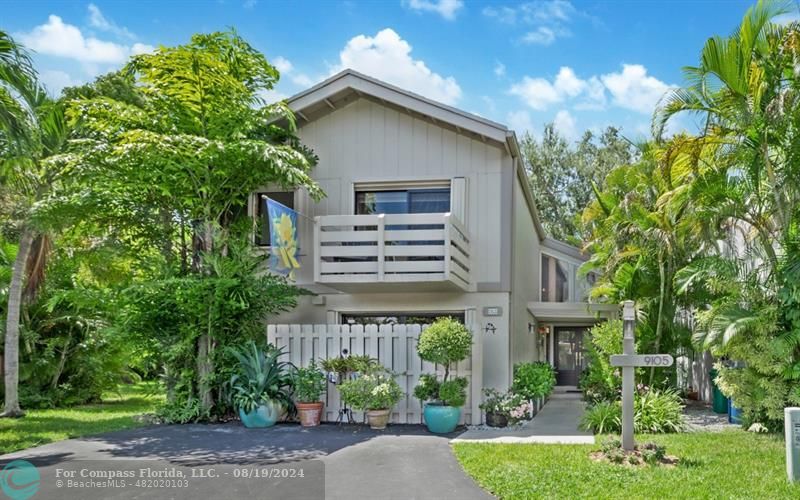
[(524, 279), (369, 142)]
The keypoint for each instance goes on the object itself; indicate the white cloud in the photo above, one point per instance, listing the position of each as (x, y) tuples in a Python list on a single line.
[(445, 8), (537, 93), (540, 93), (387, 57), (634, 89), (547, 18), (520, 122), (99, 21), (499, 69), (565, 124), (57, 38), (282, 64), (552, 11), (541, 36), (273, 95), (141, 48), (287, 70), (505, 15), (54, 81)]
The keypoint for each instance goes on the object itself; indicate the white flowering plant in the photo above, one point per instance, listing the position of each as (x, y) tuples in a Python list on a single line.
[(377, 391), (510, 404)]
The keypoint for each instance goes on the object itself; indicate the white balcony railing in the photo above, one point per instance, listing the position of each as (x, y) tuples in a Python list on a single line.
[(391, 248)]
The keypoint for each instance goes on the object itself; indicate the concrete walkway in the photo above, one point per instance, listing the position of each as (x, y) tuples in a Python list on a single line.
[(557, 422), (227, 461)]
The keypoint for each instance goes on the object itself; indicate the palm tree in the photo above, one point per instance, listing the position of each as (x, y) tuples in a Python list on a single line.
[(33, 135)]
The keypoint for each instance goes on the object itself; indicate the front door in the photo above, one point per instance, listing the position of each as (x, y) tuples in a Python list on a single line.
[(569, 358)]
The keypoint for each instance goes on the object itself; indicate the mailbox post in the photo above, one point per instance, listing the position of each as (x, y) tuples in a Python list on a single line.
[(628, 361), (792, 424), (628, 348)]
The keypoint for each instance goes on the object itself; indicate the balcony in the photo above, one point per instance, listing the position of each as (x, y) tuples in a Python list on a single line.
[(392, 252)]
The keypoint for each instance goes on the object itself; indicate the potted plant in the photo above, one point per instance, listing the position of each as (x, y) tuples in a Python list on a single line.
[(261, 385), (495, 405), (373, 393), (444, 342), (309, 384)]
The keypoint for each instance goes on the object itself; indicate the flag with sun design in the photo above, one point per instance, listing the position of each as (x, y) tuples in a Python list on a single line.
[(283, 239)]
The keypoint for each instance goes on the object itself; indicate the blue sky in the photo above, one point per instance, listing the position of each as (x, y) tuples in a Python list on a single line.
[(582, 64)]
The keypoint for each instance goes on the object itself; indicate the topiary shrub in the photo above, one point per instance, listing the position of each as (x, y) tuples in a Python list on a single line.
[(444, 342)]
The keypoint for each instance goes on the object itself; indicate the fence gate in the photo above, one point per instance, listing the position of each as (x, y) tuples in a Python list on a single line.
[(394, 346)]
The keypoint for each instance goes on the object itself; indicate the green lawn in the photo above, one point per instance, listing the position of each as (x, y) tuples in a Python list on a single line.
[(116, 412), (733, 464)]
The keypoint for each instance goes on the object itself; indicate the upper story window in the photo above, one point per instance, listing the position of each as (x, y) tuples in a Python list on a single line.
[(555, 280), (263, 227), (406, 201)]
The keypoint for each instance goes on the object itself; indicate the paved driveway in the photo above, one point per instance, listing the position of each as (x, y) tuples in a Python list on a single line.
[(229, 461)]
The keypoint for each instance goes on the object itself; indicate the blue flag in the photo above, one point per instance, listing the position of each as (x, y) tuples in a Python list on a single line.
[(283, 238)]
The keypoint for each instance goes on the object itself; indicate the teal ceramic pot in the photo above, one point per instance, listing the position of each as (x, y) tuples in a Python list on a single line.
[(263, 416), (441, 419)]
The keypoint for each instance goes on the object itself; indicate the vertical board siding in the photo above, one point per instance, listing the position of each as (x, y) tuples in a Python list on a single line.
[(366, 140), (394, 346)]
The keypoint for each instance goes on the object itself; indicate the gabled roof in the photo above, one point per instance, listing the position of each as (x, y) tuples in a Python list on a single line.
[(327, 93), (349, 85)]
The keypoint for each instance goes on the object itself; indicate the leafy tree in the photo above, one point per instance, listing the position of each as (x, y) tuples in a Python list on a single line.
[(563, 177), (33, 138), (199, 142)]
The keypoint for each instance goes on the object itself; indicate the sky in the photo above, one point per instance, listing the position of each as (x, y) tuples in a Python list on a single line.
[(578, 64)]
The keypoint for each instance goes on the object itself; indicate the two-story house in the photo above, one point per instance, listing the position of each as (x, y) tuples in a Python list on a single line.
[(429, 213)]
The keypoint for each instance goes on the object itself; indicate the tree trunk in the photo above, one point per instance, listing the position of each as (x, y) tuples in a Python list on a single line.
[(205, 365), (205, 368), (12, 408), (665, 276), (62, 361)]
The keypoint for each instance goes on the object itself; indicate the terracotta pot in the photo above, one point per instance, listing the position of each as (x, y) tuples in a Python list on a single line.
[(309, 413), (378, 419)]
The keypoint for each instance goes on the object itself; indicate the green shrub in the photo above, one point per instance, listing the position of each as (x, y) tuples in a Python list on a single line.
[(658, 411), (600, 381), (533, 380), (371, 392), (309, 383), (603, 418), (444, 342), (451, 392), (653, 412)]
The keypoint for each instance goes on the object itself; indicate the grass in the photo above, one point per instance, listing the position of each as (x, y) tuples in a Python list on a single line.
[(117, 411), (732, 464)]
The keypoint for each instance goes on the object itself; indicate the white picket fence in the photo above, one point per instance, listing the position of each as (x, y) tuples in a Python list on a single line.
[(394, 346)]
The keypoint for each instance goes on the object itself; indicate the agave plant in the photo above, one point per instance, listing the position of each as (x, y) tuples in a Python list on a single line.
[(261, 376)]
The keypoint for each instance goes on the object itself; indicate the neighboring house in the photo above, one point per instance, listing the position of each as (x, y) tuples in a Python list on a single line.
[(428, 213)]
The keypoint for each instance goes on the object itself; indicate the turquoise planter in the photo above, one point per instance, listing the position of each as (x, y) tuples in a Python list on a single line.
[(263, 416), (441, 419)]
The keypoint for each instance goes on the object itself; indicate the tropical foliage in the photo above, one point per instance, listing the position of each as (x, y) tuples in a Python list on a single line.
[(563, 177), (128, 195), (702, 231)]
